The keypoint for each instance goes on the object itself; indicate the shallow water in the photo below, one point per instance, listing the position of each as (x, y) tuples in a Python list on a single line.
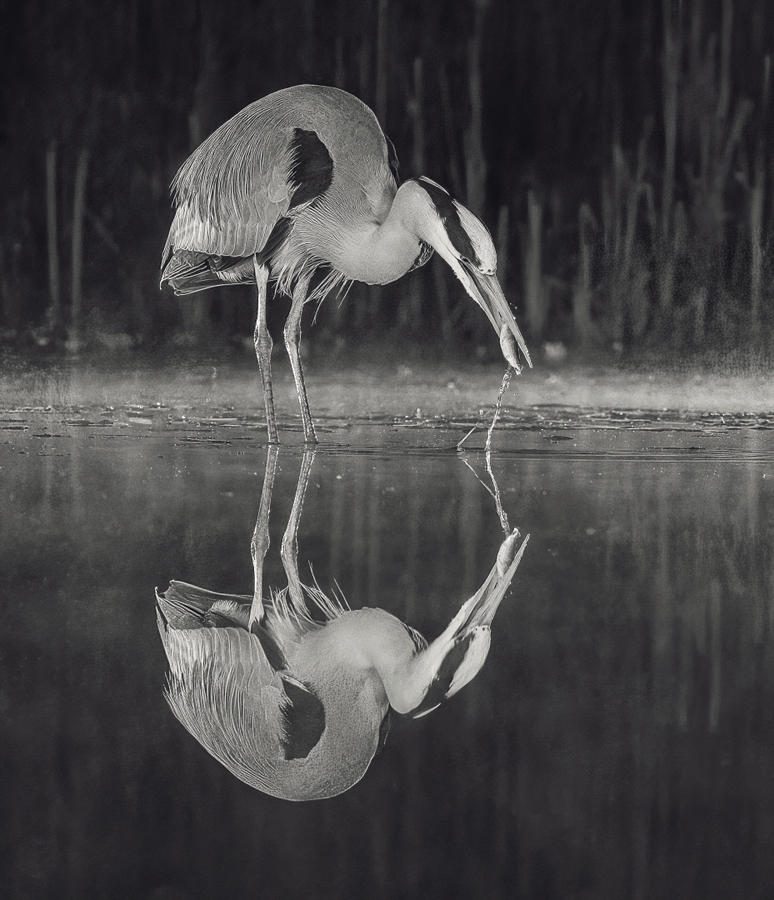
[(619, 741)]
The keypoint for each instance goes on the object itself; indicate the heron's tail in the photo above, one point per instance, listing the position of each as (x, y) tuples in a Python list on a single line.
[(184, 606), (188, 271)]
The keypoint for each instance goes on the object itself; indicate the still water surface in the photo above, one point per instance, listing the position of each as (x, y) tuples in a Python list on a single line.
[(619, 741)]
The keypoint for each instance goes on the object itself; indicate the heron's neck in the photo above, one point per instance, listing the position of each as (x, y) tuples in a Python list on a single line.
[(380, 253), (374, 639)]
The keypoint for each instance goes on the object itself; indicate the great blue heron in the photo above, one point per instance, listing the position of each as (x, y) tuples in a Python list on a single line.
[(305, 180), (297, 705)]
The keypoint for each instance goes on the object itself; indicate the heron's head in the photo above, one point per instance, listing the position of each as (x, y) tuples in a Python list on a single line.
[(465, 243)]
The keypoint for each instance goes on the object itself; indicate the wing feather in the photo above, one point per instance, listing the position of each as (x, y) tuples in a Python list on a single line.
[(234, 187), (244, 177), (224, 691)]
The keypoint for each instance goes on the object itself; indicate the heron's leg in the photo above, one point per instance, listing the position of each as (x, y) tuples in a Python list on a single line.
[(289, 549), (292, 340), (260, 542), (263, 345)]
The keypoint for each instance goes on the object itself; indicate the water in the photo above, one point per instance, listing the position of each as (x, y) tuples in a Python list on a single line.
[(617, 743)]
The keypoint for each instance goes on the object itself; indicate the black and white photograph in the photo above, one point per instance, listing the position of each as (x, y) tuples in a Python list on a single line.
[(387, 450)]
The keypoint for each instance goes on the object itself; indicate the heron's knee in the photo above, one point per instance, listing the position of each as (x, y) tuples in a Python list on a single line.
[(259, 545), (289, 548), (263, 342)]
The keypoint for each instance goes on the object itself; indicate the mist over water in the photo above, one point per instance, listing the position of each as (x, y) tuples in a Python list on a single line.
[(618, 741)]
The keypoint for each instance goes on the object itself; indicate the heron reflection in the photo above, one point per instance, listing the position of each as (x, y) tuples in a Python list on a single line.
[(292, 693)]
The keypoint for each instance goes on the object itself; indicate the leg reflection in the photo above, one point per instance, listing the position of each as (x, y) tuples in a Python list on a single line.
[(260, 542), (289, 548)]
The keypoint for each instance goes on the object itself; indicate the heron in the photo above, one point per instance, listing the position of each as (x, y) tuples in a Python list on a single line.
[(296, 701), (302, 182)]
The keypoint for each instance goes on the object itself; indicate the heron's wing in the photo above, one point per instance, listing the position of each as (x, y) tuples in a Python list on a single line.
[(224, 648), (224, 674), (250, 173), (224, 692)]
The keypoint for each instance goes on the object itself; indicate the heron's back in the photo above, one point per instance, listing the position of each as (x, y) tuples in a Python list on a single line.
[(235, 187)]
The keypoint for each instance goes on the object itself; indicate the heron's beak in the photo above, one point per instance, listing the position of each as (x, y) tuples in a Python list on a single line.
[(490, 297), (486, 291)]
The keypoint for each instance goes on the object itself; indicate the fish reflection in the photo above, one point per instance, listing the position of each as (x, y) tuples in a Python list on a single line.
[(293, 693)]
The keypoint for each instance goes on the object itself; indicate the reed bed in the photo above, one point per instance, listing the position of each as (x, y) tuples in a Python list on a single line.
[(621, 159)]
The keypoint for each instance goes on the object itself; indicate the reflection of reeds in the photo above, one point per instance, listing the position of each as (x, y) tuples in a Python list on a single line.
[(619, 735)]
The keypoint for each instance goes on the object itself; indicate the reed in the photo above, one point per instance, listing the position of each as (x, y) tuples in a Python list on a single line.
[(626, 274), (410, 311), (672, 62), (494, 103), (665, 234), (757, 193), (583, 286), (79, 207), (503, 242), (712, 126), (54, 278), (535, 290), (382, 48), (475, 157)]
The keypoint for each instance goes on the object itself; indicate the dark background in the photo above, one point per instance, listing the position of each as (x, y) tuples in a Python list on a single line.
[(620, 154)]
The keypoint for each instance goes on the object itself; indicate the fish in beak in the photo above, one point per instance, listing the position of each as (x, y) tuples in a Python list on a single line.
[(486, 291)]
